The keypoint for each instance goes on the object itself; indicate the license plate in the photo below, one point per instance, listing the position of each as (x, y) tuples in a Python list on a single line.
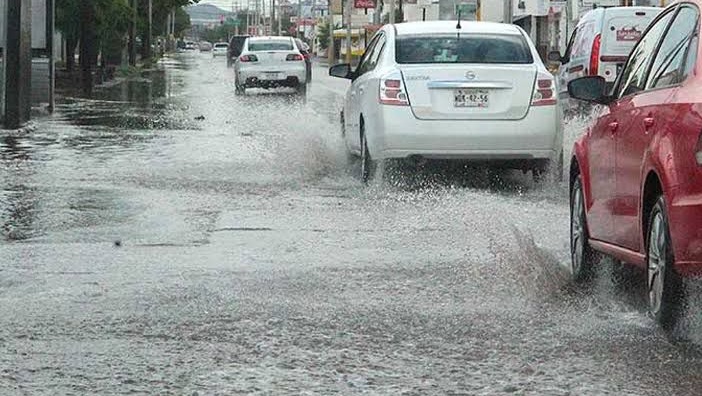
[(479, 98), (270, 76)]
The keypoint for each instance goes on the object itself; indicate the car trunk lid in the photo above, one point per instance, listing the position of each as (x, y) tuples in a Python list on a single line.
[(467, 76), (470, 91)]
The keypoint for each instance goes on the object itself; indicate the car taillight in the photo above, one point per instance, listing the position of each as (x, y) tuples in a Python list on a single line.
[(248, 58), (294, 57), (698, 151), (544, 91), (595, 55), (392, 90)]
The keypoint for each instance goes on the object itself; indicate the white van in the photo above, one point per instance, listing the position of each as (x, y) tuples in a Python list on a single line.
[(601, 43)]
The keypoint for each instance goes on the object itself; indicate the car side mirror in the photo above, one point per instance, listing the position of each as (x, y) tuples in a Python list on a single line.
[(342, 70), (590, 89), (555, 57)]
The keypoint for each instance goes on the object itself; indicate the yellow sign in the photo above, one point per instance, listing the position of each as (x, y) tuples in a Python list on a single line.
[(336, 7)]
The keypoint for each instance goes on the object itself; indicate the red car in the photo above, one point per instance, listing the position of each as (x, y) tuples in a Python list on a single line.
[(636, 174)]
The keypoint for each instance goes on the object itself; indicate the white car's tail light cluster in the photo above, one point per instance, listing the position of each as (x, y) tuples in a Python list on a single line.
[(248, 58), (544, 91), (392, 90), (294, 57)]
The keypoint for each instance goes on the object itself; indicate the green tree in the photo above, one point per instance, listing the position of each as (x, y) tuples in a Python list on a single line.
[(68, 23), (323, 35)]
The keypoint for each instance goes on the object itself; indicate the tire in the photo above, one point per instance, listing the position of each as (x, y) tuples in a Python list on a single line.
[(302, 90), (583, 257), (557, 171), (665, 288), (239, 90), (351, 158), (548, 170), (540, 170), (368, 165)]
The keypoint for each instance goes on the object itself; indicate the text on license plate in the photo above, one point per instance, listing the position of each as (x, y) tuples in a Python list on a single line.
[(471, 98), (270, 75)]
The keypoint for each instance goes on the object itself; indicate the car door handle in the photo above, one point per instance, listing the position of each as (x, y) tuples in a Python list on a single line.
[(649, 122)]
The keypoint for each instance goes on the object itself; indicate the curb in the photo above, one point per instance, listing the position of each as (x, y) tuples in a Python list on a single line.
[(31, 126)]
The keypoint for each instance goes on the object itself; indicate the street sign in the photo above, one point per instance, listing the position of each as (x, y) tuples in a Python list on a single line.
[(364, 3)]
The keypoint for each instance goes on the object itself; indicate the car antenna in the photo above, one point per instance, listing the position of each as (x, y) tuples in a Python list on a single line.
[(458, 25)]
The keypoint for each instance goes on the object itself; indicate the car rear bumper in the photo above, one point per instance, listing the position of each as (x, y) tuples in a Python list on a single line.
[(262, 74), (398, 134), (685, 222)]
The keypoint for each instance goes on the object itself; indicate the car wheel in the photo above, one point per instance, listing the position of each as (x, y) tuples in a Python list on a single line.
[(557, 170), (666, 296), (368, 165), (583, 257), (302, 89), (539, 171)]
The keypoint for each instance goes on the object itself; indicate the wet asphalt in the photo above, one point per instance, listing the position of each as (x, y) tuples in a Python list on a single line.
[(168, 237)]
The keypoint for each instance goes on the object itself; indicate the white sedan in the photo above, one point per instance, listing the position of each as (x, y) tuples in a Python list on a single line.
[(472, 91), (220, 49), (270, 62)]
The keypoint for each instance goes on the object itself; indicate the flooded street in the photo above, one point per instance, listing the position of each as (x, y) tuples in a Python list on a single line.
[(169, 237)]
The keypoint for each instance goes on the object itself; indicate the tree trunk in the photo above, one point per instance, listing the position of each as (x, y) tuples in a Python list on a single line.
[(88, 45), (71, 44)]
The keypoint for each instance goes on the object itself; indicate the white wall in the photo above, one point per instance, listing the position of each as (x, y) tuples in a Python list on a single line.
[(491, 10)]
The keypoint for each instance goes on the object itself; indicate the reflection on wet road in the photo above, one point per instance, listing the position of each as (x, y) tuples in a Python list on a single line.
[(166, 236)]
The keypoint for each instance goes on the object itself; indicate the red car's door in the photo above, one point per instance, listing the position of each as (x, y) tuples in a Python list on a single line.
[(616, 120), (600, 188), (647, 117)]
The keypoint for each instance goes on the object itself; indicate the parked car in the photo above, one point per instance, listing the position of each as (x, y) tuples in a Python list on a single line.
[(220, 49), (600, 44), (429, 90), (305, 51), (190, 46), (270, 62), (236, 44), (636, 174)]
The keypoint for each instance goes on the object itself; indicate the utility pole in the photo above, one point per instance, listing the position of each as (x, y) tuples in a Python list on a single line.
[(50, 23), (331, 52), (299, 20), (149, 35), (133, 34), (349, 3), (508, 9), (18, 63), (273, 13), (280, 18), (392, 11)]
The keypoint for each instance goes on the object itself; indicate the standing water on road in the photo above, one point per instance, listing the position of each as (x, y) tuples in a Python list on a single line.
[(167, 236)]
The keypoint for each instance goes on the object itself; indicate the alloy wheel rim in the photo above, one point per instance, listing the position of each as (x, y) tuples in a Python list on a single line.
[(656, 263), (577, 232)]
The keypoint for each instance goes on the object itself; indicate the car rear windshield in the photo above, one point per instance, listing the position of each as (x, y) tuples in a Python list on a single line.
[(466, 48), (271, 45)]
